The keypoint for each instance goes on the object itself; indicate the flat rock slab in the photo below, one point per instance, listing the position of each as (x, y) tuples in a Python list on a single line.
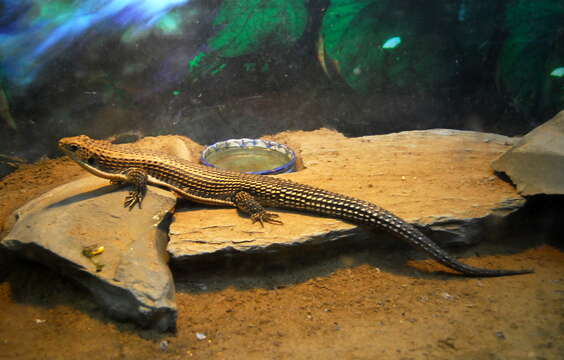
[(440, 179), (536, 163), (135, 282)]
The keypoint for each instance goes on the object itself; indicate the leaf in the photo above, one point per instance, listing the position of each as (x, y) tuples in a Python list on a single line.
[(375, 44), (248, 27), (534, 29)]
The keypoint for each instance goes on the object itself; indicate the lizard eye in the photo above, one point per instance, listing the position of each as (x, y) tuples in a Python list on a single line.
[(73, 147)]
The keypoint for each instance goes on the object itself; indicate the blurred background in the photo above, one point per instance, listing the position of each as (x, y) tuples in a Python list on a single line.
[(212, 70)]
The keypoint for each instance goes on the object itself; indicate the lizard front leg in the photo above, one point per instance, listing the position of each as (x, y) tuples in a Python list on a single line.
[(248, 204), (137, 177)]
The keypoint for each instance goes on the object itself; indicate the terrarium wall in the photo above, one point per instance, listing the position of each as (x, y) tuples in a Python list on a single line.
[(213, 70)]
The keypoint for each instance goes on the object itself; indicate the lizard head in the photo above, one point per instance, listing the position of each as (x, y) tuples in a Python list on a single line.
[(90, 154), (80, 149)]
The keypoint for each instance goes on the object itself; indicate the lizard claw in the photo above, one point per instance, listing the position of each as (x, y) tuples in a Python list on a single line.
[(134, 197), (266, 217)]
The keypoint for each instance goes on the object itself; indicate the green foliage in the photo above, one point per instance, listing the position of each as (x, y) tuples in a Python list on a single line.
[(353, 34), (248, 27), (202, 64), (405, 45), (5, 109), (531, 51)]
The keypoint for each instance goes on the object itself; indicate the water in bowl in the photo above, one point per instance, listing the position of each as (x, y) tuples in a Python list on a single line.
[(248, 159)]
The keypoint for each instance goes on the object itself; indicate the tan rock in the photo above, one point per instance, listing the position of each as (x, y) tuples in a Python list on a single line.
[(135, 282), (435, 178), (536, 164)]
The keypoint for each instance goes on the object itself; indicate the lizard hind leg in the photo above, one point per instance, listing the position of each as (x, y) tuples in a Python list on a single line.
[(249, 205)]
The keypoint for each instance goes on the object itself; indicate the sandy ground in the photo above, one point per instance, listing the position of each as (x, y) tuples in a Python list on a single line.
[(350, 301)]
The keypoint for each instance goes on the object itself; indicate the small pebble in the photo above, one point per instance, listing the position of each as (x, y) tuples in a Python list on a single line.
[(202, 286), (39, 321), (200, 336), (500, 335), (447, 296), (164, 345)]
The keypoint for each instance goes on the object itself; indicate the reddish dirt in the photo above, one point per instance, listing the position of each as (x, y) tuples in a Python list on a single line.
[(358, 302)]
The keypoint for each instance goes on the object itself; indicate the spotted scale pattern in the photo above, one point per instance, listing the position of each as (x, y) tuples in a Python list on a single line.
[(220, 187)]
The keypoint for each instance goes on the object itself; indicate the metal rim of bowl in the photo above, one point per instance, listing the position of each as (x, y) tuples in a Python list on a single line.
[(250, 143)]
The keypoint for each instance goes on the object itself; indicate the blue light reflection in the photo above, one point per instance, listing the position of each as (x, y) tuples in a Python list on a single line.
[(33, 32)]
